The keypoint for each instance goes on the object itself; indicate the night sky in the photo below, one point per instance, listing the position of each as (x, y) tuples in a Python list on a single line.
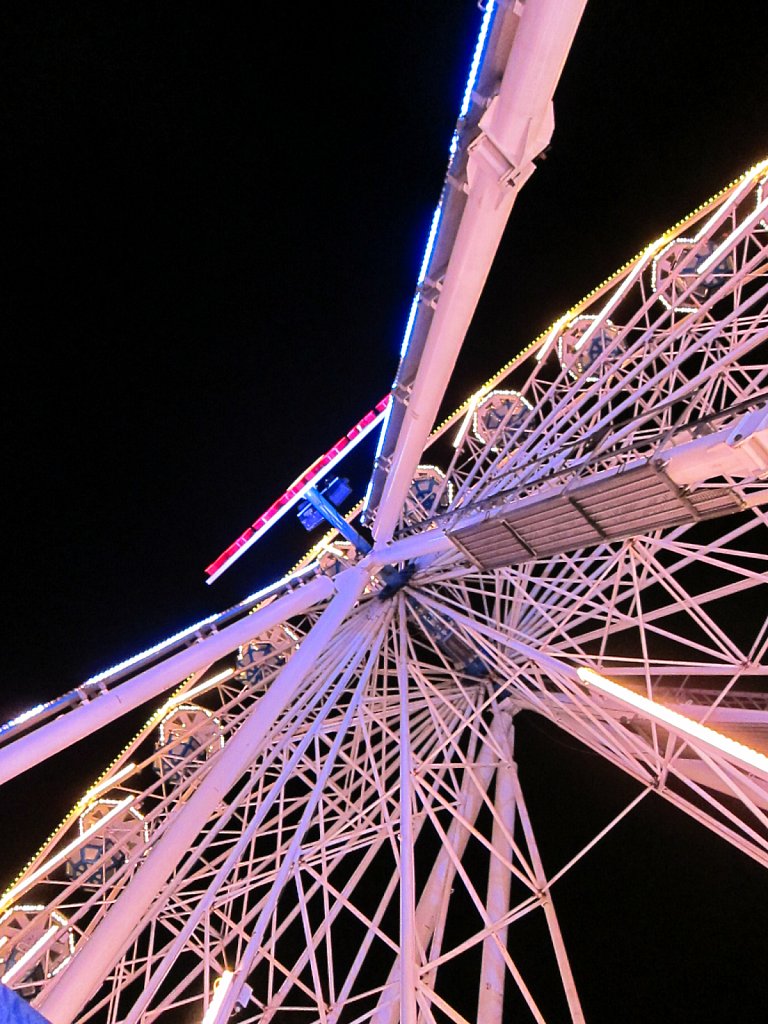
[(212, 235)]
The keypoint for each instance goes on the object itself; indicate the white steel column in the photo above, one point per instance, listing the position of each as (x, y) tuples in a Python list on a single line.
[(91, 964), (74, 725), (493, 972), (409, 975), (289, 861)]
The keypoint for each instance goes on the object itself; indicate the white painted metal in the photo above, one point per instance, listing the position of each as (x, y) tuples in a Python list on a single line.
[(409, 954), (206, 903), (493, 974), (566, 974), (71, 991), (515, 129), (361, 840), (436, 892), (735, 451), (22, 754), (290, 861)]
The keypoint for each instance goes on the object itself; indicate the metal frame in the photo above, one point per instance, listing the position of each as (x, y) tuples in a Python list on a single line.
[(357, 838)]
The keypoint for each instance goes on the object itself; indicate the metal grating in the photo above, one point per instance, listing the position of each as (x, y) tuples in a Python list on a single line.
[(612, 506)]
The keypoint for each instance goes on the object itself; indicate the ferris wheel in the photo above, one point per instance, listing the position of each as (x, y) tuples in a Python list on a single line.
[(323, 820)]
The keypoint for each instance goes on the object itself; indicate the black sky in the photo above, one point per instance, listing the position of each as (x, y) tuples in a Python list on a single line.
[(213, 229)]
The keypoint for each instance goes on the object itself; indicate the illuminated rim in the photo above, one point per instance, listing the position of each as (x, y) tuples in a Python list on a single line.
[(142, 655), (543, 343), (107, 802), (525, 405), (190, 709), (762, 185), (740, 752), (25, 716)]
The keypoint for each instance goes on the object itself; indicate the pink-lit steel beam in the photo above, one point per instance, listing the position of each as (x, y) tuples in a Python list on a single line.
[(514, 130), (298, 489)]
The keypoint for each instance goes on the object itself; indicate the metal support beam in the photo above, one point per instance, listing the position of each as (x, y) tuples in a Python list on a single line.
[(331, 514), (93, 961), (409, 974), (436, 891), (289, 862), (74, 725), (563, 963), (493, 971), (515, 129)]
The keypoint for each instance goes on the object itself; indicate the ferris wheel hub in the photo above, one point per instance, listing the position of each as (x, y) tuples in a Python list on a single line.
[(395, 579)]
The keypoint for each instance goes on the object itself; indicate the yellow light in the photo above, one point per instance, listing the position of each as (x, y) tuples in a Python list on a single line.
[(680, 723), (77, 809), (220, 989)]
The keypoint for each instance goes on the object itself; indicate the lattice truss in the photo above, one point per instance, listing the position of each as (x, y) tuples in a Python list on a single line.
[(669, 348), (601, 507)]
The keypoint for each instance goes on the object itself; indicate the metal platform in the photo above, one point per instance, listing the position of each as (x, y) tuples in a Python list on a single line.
[(612, 506)]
